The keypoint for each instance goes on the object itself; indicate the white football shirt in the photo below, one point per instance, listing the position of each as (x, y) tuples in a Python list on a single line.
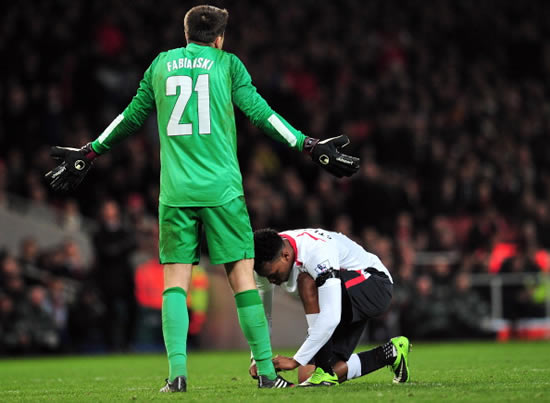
[(317, 251)]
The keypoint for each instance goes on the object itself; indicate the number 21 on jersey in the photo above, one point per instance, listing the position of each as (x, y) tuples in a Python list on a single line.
[(185, 84)]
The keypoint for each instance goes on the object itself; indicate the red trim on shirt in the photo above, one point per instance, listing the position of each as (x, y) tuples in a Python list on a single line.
[(311, 236), (357, 280), (293, 244)]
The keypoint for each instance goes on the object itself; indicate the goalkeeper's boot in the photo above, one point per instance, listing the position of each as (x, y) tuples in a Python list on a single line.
[(320, 378), (265, 383), (177, 385), (400, 367)]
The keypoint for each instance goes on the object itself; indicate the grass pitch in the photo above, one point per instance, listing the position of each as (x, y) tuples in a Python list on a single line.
[(467, 372)]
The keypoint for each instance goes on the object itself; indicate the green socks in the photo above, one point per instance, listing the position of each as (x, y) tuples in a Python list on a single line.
[(175, 323), (254, 326)]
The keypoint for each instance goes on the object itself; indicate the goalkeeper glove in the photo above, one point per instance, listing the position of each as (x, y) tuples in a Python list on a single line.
[(326, 153), (76, 162)]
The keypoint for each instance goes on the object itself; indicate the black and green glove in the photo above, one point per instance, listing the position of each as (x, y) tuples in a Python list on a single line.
[(326, 153), (75, 164)]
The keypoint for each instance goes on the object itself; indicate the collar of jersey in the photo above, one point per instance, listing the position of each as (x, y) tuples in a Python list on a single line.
[(293, 244)]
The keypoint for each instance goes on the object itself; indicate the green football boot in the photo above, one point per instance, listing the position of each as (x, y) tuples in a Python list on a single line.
[(320, 378), (401, 365)]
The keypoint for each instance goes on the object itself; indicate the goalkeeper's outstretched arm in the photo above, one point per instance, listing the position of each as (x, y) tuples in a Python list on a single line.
[(74, 163), (325, 153)]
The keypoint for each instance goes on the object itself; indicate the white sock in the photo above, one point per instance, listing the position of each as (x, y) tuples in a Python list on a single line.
[(354, 367)]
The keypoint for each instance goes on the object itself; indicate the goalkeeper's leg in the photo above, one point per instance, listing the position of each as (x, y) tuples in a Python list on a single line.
[(251, 314), (175, 318)]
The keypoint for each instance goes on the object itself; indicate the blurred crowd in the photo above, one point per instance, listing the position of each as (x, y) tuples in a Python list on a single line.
[(447, 104), (51, 301)]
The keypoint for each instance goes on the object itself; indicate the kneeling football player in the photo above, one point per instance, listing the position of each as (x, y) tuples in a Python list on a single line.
[(341, 286)]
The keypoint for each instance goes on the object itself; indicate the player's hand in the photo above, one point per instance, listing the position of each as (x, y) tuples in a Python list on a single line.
[(75, 164), (326, 153), (282, 363), (253, 370)]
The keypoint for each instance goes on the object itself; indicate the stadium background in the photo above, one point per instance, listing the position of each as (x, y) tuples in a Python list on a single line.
[(446, 103)]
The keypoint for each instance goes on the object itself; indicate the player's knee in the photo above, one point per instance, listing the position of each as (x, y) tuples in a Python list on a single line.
[(177, 275)]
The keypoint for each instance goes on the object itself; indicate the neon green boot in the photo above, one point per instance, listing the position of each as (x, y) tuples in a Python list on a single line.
[(401, 365), (320, 378)]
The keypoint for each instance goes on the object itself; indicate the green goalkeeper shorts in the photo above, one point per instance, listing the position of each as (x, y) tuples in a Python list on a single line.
[(227, 228)]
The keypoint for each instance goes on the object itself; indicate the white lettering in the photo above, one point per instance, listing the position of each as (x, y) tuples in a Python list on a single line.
[(186, 63)]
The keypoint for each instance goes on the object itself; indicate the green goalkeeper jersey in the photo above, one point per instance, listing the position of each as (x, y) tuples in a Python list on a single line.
[(194, 89)]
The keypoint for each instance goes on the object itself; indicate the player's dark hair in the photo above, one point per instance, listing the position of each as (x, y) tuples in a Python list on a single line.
[(205, 23), (267, 247)]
